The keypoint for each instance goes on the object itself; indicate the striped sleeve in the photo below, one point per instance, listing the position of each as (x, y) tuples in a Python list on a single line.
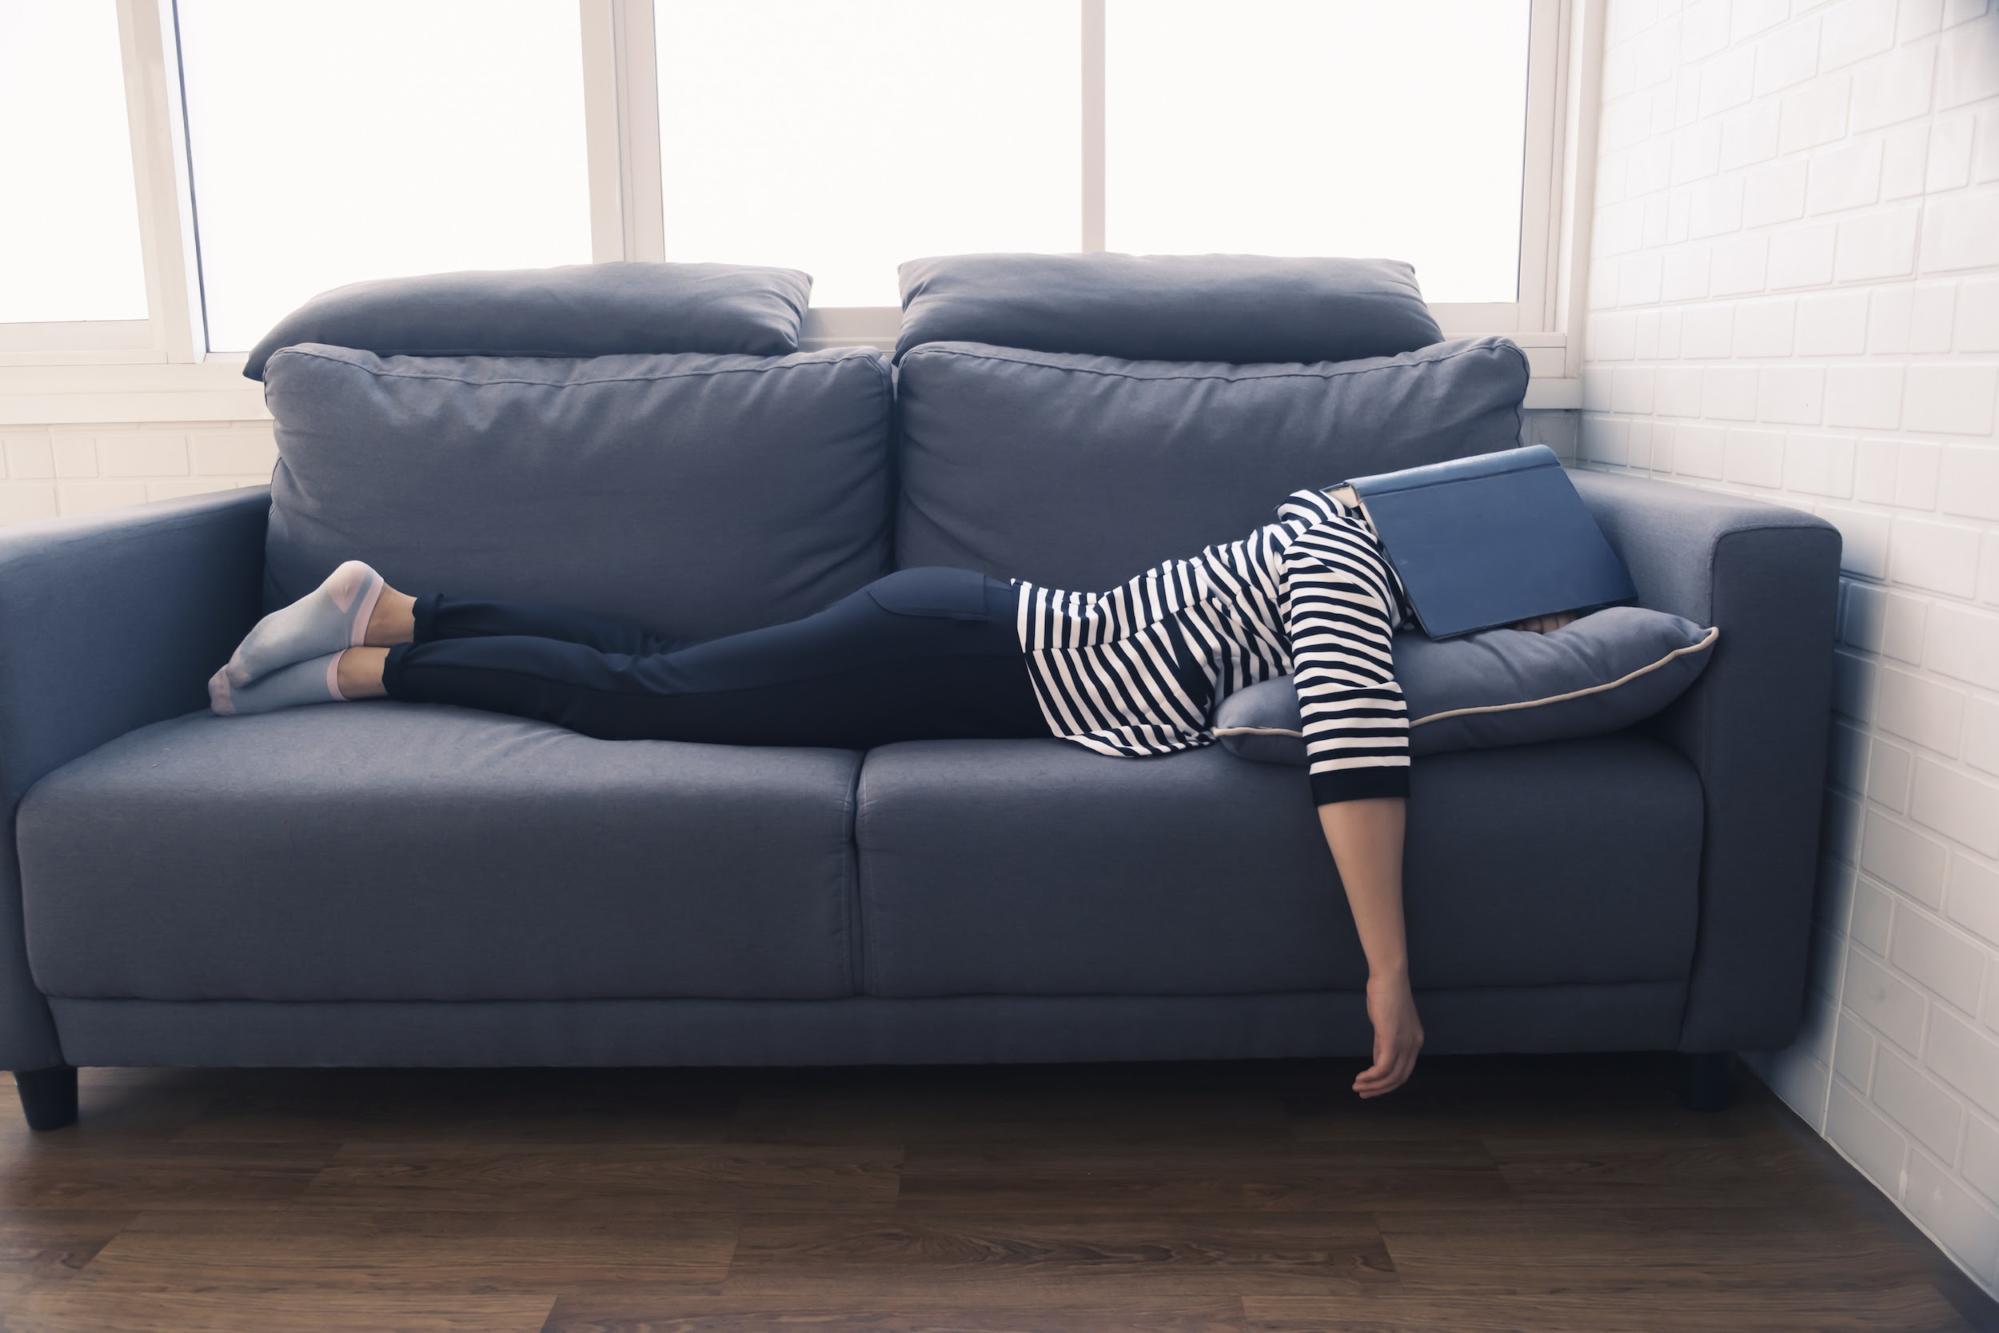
[(1339, 611)]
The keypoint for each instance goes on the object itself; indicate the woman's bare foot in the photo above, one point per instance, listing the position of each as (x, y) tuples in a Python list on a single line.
[(359, 673), (393, 620)]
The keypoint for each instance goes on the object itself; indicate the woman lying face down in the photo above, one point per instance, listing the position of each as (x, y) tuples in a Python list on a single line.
[(1128, 672)]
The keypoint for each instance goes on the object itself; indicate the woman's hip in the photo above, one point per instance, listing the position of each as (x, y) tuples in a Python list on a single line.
[(946, 592)]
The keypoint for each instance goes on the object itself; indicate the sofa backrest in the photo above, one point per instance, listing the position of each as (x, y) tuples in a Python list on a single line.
[(1064, 465), (698, 493), (492, 434), (570, 310), (1240, 308)]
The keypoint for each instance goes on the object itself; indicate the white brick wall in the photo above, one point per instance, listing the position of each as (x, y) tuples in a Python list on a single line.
[(1794, 294), (53, 471)]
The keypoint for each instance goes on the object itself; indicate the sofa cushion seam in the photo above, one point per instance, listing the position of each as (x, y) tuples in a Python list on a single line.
[(857, 960), (849, 355), (1480, 346)]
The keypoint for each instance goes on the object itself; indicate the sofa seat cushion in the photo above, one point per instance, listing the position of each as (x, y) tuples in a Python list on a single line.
[(1036, 868), (394, 851)]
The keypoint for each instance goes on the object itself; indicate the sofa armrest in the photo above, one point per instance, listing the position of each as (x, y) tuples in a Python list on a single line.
[(106, 624), (1754, 725)]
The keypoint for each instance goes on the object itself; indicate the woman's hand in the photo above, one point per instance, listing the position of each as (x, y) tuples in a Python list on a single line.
[(1366, 838), (1398, 1034), (1545, 624)]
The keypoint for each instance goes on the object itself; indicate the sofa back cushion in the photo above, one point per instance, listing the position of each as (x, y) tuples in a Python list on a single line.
[(698, 494), (1240, 308), (571, 310), (1080, 470)]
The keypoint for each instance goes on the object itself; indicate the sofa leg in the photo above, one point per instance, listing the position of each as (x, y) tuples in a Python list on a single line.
[(48, 1096), (1707, 1080)]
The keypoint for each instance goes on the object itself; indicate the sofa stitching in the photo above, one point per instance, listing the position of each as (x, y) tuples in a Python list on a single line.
[(850, 819), (1603, 687), (844, 356), (1527, 377), (930, 997), (1701, 706), (863, 958), (1482, 345)]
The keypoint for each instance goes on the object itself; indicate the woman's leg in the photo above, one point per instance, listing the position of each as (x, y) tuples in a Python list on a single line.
[(355, 607), (922, 653), (433, 616)]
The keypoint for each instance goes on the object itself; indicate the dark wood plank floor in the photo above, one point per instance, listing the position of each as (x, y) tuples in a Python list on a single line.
[(1546, 1195)]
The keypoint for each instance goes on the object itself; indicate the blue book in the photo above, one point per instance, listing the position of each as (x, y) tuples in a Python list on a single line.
[(1492, 539)]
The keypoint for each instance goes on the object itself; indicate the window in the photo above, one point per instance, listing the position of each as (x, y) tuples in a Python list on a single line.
[(271, 151), (69, 233), (845, 136), (334, 142), (1321, 127)]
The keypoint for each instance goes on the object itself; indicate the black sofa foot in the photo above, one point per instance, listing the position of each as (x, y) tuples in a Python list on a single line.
[(1707, 1080), (48, 1096)]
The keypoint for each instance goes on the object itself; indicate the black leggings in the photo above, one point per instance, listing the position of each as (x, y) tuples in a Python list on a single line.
[(918, 654)]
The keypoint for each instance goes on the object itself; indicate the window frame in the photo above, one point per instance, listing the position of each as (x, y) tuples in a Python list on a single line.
[(1530, 319), (98, 370), (158, 196)]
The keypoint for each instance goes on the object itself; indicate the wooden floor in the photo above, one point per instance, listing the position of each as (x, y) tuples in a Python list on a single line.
[(1535, 1195)]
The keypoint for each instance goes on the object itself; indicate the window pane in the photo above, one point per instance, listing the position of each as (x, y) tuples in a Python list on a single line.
[(1321, 127), (69, 231), (845, 136), (355, 139)]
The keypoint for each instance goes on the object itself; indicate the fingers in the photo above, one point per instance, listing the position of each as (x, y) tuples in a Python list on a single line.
[(1379, 1077), (1387, 1083), (1394, 1077), (1382, 1079), (1389, 1071), (1379, 1069)]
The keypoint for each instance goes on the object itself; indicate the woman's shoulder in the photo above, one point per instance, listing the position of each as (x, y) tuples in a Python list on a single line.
[(1314, 504)]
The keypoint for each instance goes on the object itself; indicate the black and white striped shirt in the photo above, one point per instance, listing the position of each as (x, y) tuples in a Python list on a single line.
[(1137, 669)]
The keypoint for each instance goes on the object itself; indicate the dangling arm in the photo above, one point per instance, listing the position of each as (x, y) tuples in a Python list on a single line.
[(1366, 840), (1338, 608)]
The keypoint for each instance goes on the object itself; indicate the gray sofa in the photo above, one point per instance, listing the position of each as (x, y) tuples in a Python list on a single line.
[(402, 885)]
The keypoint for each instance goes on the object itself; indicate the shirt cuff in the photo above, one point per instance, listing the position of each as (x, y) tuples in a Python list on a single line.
[(1359, 784)]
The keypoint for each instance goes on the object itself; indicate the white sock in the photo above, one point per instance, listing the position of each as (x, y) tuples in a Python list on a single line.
[(331, 617), (312, 682)]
